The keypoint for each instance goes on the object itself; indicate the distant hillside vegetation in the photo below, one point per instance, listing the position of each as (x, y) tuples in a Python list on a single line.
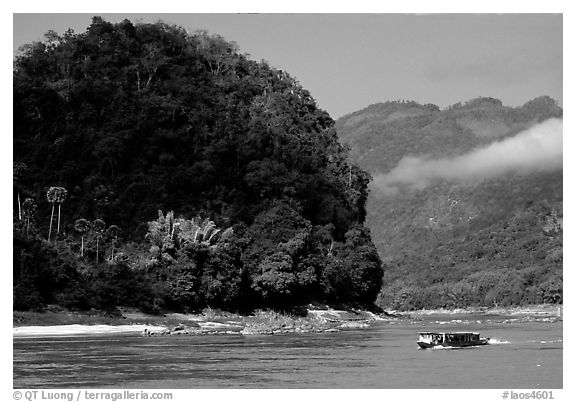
[(459, 243)]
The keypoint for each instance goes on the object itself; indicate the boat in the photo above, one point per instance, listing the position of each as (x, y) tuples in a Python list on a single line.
[(450, 339)]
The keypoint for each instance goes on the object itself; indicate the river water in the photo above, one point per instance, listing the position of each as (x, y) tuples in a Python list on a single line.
[(385, 355)]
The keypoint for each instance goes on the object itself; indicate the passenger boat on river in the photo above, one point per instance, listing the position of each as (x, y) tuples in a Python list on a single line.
[(452, 339)]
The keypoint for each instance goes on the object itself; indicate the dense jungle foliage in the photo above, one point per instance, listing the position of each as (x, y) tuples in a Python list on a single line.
[(163, 169), (496, 241)]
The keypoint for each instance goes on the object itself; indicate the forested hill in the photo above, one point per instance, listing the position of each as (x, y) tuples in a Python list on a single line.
[(452, 230), (124, 120), (382, 134)]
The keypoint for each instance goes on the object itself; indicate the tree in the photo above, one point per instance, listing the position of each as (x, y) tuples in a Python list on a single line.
[(28, 210), (113, 231), (197, 230), (98, 227), (18, 170), (169, 233), (152, 60), (354, 270), (55, 195), (161, 233), (82, 226), (276, 280)]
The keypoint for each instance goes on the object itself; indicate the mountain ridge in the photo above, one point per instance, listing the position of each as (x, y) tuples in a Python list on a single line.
[(440, 237)]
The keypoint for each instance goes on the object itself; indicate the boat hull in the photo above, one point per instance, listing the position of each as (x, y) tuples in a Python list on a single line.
[(427, 345)]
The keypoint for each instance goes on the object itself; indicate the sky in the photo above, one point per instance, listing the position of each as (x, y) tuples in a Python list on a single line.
[(348, 60)]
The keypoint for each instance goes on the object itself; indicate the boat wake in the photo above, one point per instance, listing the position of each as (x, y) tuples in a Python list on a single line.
[(494, 341), (440, 347), (552, 341)]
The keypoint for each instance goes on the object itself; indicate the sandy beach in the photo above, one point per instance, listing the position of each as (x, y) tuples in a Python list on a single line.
[(65, 323), (77, 329)]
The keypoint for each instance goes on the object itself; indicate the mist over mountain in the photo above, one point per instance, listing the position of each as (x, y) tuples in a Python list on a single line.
[(466, 203), (537, 149)]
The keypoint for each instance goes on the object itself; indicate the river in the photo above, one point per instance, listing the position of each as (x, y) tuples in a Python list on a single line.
[(385, 355)]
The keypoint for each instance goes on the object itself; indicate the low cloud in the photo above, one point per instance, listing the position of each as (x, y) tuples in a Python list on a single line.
[(538, 148)]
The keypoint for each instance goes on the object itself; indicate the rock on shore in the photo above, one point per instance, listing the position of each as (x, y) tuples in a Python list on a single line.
[(272, 323)]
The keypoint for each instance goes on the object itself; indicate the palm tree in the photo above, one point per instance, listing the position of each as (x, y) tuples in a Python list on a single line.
[(209, 231), (98, 227), (82, 226), (51, 196), (55, 195), (161, 231), (62, 193)]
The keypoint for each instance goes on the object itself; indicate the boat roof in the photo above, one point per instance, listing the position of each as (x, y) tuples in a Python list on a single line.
[(448, 333)]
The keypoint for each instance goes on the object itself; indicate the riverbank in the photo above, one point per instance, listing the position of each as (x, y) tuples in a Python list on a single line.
[(58, 322), (531, 313), (531, 310)]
